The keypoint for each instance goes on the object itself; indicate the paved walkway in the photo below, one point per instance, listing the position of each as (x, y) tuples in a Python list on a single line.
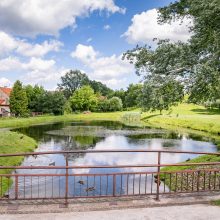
[(194, 212)]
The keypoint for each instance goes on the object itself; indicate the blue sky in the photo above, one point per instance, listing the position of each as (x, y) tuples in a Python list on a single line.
[(41, 40)]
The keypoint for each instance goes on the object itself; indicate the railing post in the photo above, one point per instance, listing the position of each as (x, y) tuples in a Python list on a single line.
[(158, 176), (198, 181), (114, 185), (16, 187), (67, 181)]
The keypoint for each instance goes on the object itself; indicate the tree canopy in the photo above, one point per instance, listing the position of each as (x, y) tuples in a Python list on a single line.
[(115, 104), (133, 95), (196, 63), (18, 100), (75, 79), (161, 96), (84, 99), (71, 81)]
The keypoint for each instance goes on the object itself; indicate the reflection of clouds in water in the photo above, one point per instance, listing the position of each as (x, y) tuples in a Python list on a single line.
[(113, 142), (121, 142), (44, 160)]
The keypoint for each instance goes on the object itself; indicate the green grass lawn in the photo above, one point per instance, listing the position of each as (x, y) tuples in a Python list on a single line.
[(186, 116), (23, 122), (12, 142)]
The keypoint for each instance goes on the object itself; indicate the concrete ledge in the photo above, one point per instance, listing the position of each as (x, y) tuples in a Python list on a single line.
[(86, 205)]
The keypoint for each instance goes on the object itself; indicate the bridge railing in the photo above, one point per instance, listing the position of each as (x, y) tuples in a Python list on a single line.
[(89, 181)]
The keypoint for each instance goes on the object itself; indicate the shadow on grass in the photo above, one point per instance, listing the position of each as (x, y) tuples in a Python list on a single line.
[(207, 111), (150, 116)]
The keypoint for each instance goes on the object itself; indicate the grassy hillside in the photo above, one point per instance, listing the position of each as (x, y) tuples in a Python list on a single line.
[(186, 116)]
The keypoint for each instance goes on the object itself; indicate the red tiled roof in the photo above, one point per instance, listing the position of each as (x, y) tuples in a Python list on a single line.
[(7, 91), (2, 101)]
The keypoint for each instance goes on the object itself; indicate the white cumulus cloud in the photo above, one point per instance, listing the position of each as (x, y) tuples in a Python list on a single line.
[(10, 44), (5, 82), (89, 40), (10, 63), (84, 53), (144, 29), (39, 64), (107, 27), (111, 70), (38, 50), (7, 43), (41, 71), (34, 17)]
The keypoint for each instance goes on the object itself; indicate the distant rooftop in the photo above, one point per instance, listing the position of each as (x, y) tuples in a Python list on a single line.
[(6, 90)]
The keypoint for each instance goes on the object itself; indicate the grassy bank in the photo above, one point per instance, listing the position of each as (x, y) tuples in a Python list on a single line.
[(12, 142), (23, 122)]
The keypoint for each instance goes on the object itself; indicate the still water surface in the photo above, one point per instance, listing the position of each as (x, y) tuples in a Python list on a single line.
[(101, 136)]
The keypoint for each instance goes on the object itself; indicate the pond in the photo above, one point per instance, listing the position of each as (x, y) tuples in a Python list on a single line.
[(102, 135)]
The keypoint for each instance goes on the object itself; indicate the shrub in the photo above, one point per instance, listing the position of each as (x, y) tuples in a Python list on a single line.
[(115, 104)]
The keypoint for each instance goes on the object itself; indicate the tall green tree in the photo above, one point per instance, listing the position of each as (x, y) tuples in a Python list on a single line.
[(71, 81), (132, 96), (84, 99), (120, 94), (51, 102), (196, 63), (18, 100), (33, 95), (101, 88), (161, 96), (204, 45)]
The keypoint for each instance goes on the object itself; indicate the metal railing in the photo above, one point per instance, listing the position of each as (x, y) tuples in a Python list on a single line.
[(95, 181)]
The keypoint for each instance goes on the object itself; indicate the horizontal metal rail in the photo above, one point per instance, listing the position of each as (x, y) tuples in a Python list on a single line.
[(109, 174), (108, 151), (108, 166)]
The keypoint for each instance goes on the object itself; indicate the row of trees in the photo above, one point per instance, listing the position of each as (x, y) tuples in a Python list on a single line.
[(84, 94), (75, 93), (27, 99), (74, 80), (85, 99)]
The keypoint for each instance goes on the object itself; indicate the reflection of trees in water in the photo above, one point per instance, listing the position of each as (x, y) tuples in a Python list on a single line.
[(164, 135), (86, 141), (38, 131), (107, 124), (167, 144), (198, 137), (79, 143)]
